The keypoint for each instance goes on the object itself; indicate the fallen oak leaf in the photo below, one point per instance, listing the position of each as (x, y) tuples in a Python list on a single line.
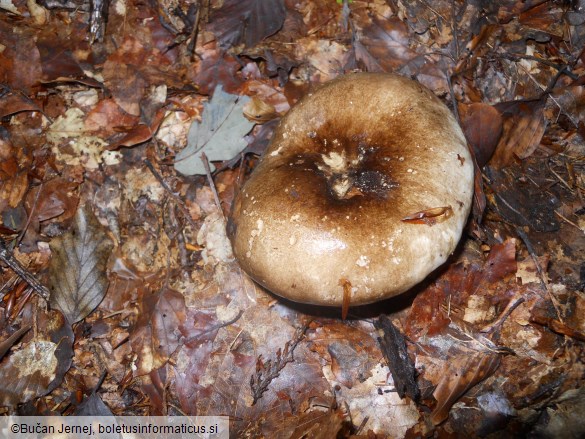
[(220, 135)]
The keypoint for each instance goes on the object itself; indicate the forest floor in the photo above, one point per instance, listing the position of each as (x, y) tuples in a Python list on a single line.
[(120, 295)]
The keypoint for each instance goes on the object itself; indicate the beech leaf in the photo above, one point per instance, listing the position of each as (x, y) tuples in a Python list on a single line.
[(220, 135), (247, 21), (77, 273)]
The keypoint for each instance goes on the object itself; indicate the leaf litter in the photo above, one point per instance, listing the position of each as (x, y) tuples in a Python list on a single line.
[(172, 325)]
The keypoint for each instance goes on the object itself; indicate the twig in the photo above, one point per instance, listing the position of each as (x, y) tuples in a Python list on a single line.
[(393, 346), (559, 177), (511, 306), (215, 327), (562, 69), (568, 221), (30, 216), (211, 183), (432, 10), (195, 32), (534, 257), (166, 187), (266, 371), (8, 258)]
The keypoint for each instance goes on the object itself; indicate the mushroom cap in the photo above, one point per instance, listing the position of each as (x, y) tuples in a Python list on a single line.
[(347, 165)]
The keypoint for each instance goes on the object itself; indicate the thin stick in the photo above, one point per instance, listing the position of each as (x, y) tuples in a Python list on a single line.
[(8, 258), (29, 219), (211, 183), (166, 187), (567, 220), (530, 249), (562, 69)]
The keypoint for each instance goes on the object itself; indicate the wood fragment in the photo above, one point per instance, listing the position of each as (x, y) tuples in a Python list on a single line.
[(393, 346), (8, 258), (268, 370), (543, 283), (558, 327), (212, 184), (174, 196)]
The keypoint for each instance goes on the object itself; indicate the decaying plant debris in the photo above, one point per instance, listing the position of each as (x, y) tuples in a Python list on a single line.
[(95, 108)]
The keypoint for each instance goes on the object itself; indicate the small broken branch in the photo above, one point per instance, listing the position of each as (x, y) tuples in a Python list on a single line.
[(266, 371), (174, 196), (543, 283), (211, 183), (393, 346), (8, 258)]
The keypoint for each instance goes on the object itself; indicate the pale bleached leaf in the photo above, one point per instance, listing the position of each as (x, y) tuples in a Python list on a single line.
[(220, 135), (77, 273), (35, 367)]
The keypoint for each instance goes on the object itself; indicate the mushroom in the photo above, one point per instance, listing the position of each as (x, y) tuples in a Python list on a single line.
[(363, 191)]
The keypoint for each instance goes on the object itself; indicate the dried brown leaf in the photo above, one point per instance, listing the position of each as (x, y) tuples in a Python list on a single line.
[(246, 21), (40, 364), (463, 372), (352, 352), (77, 272), (524, 126), (216, 68), (131, 70), (55, 198), (482, 125), (13, 102), (457, 283), (20, 62), (157, 333), (384, 45), (258, 111), (108, 118), (57, 62)]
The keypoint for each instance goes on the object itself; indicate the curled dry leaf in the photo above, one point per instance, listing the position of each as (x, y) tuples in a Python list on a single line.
[(259, 111), (523, 127), (77, 273), (482, 125), (463, 372), (430, 217)]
